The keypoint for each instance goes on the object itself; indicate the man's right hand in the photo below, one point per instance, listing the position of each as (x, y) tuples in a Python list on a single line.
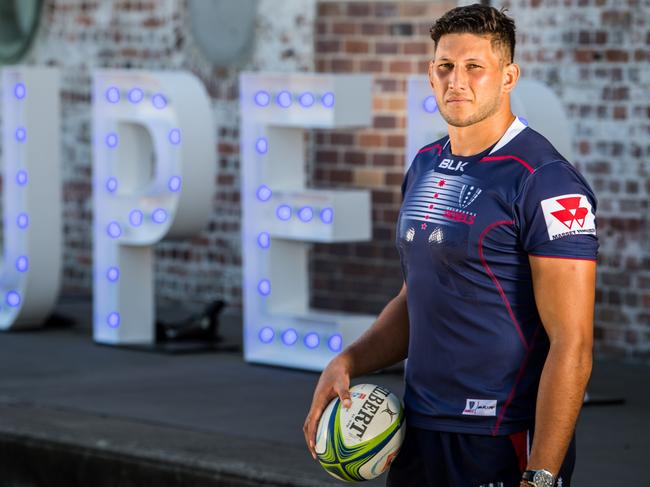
[(333, 382)]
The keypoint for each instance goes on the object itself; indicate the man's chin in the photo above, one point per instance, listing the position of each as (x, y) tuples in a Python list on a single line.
[(458, 121)]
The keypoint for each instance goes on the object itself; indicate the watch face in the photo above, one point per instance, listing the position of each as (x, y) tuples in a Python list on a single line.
[(542, 478)]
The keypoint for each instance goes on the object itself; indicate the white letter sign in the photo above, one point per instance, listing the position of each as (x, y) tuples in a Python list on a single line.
[(154, 171), (281, 217), (32, 196)]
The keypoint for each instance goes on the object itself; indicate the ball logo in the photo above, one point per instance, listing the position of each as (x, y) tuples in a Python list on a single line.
[(389, 412), (569, 214), (362, 419)]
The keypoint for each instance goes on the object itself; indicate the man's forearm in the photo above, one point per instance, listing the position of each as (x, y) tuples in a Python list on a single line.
[(559, 400), (384, 343)]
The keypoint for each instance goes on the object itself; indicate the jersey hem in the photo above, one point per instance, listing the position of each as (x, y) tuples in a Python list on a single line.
[(461, 426)]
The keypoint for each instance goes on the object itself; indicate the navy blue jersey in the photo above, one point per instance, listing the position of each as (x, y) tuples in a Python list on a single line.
[(466, 228)]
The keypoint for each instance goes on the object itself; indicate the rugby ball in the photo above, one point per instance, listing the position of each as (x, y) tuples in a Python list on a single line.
[(360, 443)]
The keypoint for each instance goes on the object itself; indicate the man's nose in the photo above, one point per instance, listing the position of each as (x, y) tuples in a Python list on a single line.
[(458, 79)]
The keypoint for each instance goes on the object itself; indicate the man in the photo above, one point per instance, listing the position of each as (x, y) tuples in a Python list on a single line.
[(498, 244)]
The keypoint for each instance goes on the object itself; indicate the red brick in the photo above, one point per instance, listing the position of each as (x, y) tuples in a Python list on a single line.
[(384, 160), (385, 122), (584, 55), (616, 18), (153, 22), (416, 47), (341, 176), (354, 157), (413, 9), (401, 67), (617, 56), (327, 156), (394, 178), (328, 46), (338, 138), (342, 65), (371, 66), (397, 141), (386, 9), (387, 84), (355, 47), (383, 196), (329, 9), (359, 9), (344, 28), (373, 29), (620, 113), (641, 55), (371, 140), (386, 48)]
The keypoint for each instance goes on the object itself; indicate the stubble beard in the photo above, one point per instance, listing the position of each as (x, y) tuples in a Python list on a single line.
[(483, 112)]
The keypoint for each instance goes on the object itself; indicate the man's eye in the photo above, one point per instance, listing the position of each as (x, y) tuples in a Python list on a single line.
[(472, 66), (445, 66)]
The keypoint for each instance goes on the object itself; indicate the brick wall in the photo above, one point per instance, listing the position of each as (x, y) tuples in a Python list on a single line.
[(78, 36)]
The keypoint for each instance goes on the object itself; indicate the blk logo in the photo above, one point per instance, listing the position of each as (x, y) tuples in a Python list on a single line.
[(452, 165), (572, 212)]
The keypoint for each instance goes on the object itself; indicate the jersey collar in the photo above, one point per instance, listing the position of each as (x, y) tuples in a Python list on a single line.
[(514, 129)]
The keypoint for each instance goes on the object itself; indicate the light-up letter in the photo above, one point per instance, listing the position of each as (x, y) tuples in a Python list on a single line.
[(281, 218), (153, 169), (532, 101), (32, 196)]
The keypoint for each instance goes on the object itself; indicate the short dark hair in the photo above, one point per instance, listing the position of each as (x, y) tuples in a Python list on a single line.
[(481, 20)]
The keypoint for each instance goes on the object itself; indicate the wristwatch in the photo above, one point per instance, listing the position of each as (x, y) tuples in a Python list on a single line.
[(539, 478)]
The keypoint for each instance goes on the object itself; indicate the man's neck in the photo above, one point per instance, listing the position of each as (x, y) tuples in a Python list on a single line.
[(474, 139)]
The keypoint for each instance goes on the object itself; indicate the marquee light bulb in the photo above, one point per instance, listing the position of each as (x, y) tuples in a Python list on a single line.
[(290, 337), (262, 98), (429, 104), (113, 95), (174, 184), (312, 340), (159, 101), (266, 334), (136, 95), (284, 99), (328, 100)]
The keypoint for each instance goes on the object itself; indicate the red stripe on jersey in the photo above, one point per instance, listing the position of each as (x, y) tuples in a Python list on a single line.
[(496, 282), (427, 149), (502, 158), (511, 396)]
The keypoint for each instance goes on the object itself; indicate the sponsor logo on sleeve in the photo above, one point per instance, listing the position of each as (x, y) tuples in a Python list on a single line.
[(569, 214), (480, 407)]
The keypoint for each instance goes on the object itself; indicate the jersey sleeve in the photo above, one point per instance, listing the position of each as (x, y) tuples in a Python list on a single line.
[(556, 213)]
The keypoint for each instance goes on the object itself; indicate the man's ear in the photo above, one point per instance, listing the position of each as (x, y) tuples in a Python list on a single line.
[(511, 74), (431, 63)]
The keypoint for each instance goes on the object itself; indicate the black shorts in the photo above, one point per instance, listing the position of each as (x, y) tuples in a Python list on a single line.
[(439, 459)]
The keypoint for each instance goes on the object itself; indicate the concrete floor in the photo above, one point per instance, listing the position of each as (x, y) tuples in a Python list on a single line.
[(213, 413)]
